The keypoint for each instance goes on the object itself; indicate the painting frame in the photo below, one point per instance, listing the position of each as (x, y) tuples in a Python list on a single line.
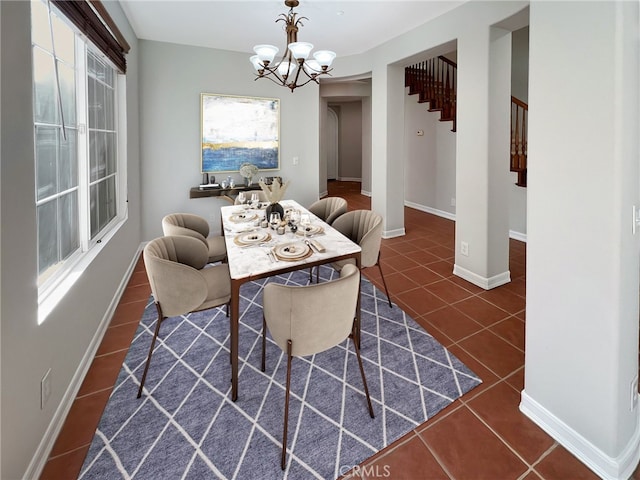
[(235, 130)]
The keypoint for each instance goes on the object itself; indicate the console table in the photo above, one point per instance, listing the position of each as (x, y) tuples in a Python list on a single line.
[(228, 194)]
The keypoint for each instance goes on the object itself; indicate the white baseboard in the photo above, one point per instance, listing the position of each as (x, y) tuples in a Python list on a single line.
[(323, 194), (349, 179), (609, 468), (452, 216), (398, 232), (365, 193), (482, 282), (40, 457), (433, 211), (518, 236)]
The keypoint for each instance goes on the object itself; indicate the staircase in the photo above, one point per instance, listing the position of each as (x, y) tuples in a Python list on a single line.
[(435, 81)]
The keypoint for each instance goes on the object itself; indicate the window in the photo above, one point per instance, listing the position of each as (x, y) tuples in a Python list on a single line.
[(77, 167)]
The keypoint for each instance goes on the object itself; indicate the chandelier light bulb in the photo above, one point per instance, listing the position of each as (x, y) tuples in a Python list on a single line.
[(312, 67), (286, 69), (300, 50), (257, 64), (266, 53), (324, 58)]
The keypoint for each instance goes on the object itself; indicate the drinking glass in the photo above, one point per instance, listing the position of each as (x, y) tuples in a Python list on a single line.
[(241, 198), (255, 200), (294, 220), (274, 220), (305, 222)]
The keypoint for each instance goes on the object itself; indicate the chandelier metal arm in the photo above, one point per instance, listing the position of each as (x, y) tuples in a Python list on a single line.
[(270, 73)]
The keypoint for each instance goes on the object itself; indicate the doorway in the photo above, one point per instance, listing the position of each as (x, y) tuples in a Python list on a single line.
[(332, 144)]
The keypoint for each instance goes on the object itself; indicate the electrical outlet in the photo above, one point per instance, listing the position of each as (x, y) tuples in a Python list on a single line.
[(453, 201), (634, 393), (295, 160), (464, 248), (45, 389)]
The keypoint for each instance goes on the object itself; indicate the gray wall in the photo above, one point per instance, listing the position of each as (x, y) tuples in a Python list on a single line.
[(430, 172), (65, 340), (174, 77), (582, 254), (349, 139)]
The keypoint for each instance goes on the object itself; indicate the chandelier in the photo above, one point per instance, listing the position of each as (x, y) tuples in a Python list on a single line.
[(294, 68)]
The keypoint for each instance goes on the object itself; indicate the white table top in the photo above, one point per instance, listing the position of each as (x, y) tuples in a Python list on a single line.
[(246, 261)]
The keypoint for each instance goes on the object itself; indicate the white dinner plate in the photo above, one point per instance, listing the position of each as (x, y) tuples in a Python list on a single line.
[(243, 217), (292, 251), (250, 238), (310, 230)]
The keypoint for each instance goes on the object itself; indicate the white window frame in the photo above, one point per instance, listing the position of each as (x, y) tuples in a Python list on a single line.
[(54, 288)]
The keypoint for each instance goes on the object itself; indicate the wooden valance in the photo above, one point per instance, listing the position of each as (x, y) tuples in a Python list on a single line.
[(92, 19)]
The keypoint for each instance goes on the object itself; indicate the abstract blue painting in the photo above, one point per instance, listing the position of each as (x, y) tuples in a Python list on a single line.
[(237, 130)]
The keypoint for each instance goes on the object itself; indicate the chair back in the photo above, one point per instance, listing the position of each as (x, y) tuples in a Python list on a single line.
[(329, 208), (247, 194), (173, 265), (315, 317), (363, 227), (187, 224)]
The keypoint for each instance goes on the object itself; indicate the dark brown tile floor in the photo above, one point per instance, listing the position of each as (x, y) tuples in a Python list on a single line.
[(483, 435)]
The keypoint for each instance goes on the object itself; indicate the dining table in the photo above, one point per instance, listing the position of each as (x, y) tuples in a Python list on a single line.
[(255, 250)]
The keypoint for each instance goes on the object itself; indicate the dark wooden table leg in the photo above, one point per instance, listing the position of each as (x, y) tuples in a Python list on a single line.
[(358, 306), (234, 321)]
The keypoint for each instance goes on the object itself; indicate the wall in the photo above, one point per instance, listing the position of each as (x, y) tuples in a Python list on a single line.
[(174, 77), (366, 146), (66, 341), (582, 256), (430, 171), (349, 139)]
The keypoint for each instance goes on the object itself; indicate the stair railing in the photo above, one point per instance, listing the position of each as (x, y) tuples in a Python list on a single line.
[(435, 82), (519, 117)]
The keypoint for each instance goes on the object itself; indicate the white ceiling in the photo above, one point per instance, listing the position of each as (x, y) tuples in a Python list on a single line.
[(347, 27)]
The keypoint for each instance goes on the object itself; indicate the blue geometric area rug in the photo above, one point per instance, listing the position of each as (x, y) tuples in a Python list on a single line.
[(185, 425)]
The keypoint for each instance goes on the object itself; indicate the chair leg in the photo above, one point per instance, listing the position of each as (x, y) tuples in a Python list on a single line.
[(153, 342), (364, 379), (264, 343), (283, 461), (383, 281)]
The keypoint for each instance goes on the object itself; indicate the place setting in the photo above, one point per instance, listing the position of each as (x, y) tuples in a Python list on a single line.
[(253, 238), (243, 217), (292, 251)]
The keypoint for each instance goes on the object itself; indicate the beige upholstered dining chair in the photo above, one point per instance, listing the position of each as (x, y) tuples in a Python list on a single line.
[(195, 226), (305, 320), (329, 208), (182, 282), (363, 227)]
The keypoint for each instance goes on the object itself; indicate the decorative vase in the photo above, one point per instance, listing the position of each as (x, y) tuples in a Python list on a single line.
[(247, 181), (274, 207)]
